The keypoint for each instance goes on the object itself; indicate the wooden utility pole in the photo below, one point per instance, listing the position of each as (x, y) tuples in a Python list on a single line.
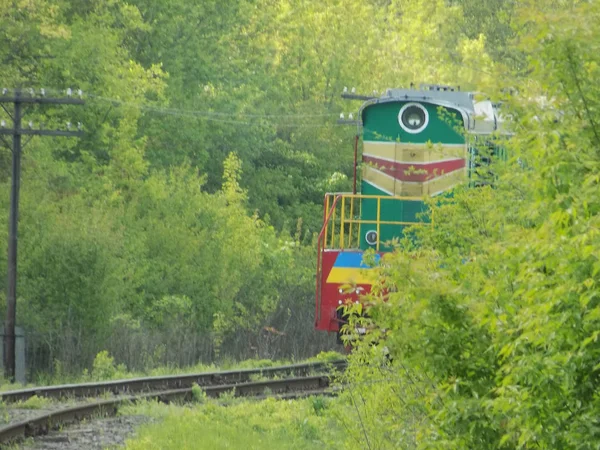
[(20, 98)]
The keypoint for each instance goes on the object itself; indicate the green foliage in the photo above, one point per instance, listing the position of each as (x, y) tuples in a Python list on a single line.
[(227, 397), (232, 171), (181, 226), (184, 218), (492, 322), (257, 363), (104, 367), (151, 236), (319, 405), (328, 356), (269, 424), (34, 402), (198, 394)]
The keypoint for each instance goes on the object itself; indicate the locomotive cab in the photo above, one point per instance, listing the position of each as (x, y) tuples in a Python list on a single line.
[(416, 143)]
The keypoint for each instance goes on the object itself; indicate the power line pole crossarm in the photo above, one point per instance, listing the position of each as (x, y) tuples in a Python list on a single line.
[(18, 99)]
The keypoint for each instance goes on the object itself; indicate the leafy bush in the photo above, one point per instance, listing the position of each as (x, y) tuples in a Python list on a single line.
[(198, 394), (492, 324), (104, 367)]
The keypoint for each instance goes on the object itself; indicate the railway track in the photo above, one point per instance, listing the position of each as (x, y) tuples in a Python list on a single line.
[(300, 381), (146, 384)]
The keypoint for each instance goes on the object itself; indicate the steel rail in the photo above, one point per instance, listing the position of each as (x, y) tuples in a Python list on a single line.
[(285, 388), (146, 384)]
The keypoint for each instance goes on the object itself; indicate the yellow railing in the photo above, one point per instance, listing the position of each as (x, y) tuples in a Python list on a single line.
[(342, 223)]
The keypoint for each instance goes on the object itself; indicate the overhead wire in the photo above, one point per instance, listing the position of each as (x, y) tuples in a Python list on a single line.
[(225, 117), (233, 118)]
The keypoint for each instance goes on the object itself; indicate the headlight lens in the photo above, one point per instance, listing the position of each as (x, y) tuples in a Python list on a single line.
[(413, 117), (371, 237)]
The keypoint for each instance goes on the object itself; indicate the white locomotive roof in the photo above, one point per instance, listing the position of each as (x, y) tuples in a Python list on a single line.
[(481, 117), (463, 100)]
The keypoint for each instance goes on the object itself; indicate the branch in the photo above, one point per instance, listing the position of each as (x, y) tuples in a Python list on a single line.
[(362, 425), (8, 146), (583, 98)]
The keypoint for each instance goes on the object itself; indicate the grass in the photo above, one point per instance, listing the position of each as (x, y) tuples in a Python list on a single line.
[(329, 356), (244, 424), (34, 402)]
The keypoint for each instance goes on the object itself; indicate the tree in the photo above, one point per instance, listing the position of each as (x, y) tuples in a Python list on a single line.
[(492, 323)]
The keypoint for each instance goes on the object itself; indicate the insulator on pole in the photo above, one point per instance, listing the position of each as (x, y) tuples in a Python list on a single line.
[(345, 89), (43, 92), (354, 90), (341, 115), (69, 92), (350, 116), (3, 123), (68, 125), (79, 93), (79, 126)]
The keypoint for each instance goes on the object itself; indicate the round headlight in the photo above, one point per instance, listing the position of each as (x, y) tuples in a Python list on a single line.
[(371, 237), (413, 117)]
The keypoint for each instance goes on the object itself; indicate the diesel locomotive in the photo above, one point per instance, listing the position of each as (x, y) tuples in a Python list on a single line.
[(416, 143)]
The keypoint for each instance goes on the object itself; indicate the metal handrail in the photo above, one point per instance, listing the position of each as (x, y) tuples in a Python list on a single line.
[(343, 238), (327, 212), (326, 241)]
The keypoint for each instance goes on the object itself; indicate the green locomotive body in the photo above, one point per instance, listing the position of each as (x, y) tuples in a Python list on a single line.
[(417, 143)]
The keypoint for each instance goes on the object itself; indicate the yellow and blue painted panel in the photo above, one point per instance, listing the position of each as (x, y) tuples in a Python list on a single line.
[(349, 267)]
